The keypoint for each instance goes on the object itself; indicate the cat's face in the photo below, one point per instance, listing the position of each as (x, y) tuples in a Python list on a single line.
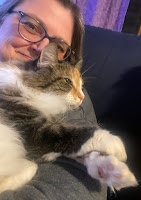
[(59, 78)]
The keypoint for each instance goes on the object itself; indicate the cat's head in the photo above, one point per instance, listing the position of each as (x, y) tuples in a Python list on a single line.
[(59, 78)]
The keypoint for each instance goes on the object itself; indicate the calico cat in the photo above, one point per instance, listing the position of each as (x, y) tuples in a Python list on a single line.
[(31, 97)]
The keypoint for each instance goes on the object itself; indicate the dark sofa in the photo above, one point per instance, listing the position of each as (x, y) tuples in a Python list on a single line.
[(113, 82)]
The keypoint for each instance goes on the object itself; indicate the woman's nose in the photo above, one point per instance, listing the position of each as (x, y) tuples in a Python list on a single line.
[(39, 46)]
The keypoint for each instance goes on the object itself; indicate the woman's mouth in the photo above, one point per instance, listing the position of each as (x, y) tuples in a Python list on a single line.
[(26, 57)]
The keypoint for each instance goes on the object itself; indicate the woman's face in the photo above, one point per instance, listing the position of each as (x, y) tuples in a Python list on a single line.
[(57, 21)]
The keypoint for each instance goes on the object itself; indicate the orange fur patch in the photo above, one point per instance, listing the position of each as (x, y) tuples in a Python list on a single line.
[(77, 85)]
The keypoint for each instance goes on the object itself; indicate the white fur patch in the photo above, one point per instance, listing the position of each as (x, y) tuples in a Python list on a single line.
[(105, 142), (8, 75), (15, 169), (46, 103), (11, 150), (20, 178)]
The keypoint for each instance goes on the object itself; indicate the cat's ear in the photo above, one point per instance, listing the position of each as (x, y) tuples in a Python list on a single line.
[(49, 56), (79, 64)]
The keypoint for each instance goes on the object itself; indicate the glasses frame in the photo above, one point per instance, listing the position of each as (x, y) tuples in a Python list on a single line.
[(22, 14)]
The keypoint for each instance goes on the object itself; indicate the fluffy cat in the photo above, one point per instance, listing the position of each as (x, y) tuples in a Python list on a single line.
[(31, 97)]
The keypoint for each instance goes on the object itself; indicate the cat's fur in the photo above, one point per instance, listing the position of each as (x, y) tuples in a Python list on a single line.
[(31, 97)]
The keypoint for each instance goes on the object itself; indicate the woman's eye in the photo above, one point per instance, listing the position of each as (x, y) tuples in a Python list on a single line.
[(30, 27), (60, 48)]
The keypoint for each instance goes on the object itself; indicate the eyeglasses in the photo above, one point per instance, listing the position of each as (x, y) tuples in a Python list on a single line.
[(32, 30)]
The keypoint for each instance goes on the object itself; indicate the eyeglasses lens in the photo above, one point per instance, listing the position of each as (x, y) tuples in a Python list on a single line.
[(62, 48), (30, 29)]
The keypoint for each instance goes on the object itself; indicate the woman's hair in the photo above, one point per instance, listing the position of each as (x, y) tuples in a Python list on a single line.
[(7, 6), (78, 33), (77, 38)]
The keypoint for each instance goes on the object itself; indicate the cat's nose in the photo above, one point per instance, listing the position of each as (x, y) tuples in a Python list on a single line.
[(81, 96)]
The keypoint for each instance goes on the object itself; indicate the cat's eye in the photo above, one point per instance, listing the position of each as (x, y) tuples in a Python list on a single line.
[(68, 81)]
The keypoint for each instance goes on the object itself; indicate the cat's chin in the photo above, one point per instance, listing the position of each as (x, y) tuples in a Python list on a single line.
[(74, 106)]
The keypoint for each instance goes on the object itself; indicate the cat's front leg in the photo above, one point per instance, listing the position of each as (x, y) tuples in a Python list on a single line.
[(77, 141), (105, 142)]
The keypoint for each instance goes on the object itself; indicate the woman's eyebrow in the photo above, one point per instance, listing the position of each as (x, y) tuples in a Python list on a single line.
[(43, 24), (37, 19)]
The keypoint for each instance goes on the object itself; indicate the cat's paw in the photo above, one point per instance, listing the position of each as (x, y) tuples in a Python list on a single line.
[(51, 156), (109, 170), (110, 144)]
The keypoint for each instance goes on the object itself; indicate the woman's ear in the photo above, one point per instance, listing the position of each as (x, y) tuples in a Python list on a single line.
[(49, 56)]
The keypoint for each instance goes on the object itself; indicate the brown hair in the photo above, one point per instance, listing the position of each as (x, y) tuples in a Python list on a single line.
[(77, 39)]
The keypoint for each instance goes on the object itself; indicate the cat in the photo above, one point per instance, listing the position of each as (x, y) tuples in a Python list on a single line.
[(31, 97)]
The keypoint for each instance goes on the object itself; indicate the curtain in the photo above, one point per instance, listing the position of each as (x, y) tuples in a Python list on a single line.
[(107, 14)]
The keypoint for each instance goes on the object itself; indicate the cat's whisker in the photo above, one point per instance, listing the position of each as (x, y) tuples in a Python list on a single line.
[(87, 69), (92, 77), (88, 79), (62, 118), (113, 189)]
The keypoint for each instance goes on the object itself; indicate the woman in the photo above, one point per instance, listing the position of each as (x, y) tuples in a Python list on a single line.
[(59, 21)]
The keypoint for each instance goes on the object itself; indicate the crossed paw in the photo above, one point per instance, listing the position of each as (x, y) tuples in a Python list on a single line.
[(109, 170), (104, 141)]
